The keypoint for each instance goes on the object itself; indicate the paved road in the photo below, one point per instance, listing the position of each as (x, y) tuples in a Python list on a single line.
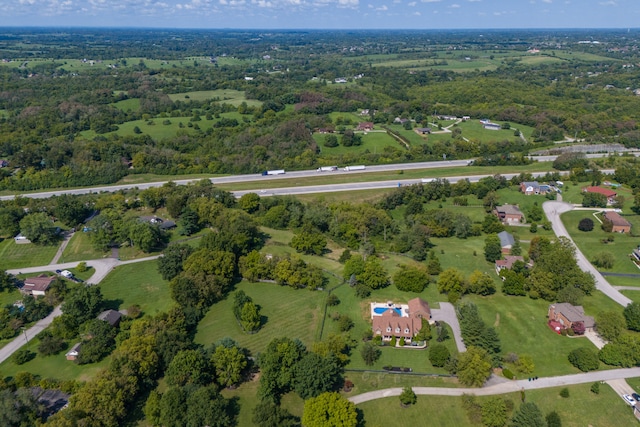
[(627, 288), (553, 210), (506, 387), (447, 314), (102, 266)]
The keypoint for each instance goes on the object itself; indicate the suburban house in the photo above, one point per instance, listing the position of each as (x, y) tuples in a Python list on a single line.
[(530, 187), (636, 254), (365, 126), (564, 315), (325, 130), (507, 262), (619, 224), (422, 131), (21, 239), (509, 214), (74, 352), (610, 194), (112, 317), (492, 126), (398, 322), (52, 400), (506, 242), (38, 285), (163, 224), (399, 120)]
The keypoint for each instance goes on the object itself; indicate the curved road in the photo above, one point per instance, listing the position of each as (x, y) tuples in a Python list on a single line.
[(507, 386), (553, 210)]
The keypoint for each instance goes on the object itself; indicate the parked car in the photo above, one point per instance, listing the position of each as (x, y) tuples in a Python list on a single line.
[(636, 396), (630, 400), (67, 274)]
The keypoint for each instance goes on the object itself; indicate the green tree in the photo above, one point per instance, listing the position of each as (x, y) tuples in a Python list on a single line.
[(277, 363), (528, 415), (229, 363), (585, 359), (553, 419), (152, 408), (315, 374), (439, 355), (492, 248), (18, 408), (268, 414), (585, 224), (512, 283), (206, 407), (370, 353), (249, 202), (374, 275), (408, 397), (329, 410), (525, 364), (411, 279), (481, 284), (494, 412), (250, 317), (474, 367), (102, 341), (452, 283), (309, 242), (594, 200), (189, 367), (38, 228), (71, 210), (632, 315), (10, 217), (610, 325), (172, 259), (433, 264), (491, 224), (83, 303), (173, 407), (424, 334)]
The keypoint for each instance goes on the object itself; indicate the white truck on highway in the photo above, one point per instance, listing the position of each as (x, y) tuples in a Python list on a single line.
[(428, 180), (355, 168), (273, 172), (327, 168)]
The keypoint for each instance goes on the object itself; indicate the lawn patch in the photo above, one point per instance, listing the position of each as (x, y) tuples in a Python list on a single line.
[(15, 255)]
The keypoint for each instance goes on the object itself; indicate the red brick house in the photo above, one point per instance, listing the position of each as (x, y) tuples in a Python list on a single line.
[(619, 224), (609, 194), (393, 324), (37, 286), (507, 262), (567, 315)]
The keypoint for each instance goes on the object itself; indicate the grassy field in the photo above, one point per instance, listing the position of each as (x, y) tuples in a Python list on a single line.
[(13, 255), (374, 142), (138, 283), (581, 408), (128, 104), (228, 96), (80, 248), (286, 312)]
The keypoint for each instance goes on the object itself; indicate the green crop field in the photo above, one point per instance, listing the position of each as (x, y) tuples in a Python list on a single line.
[(14, 255)]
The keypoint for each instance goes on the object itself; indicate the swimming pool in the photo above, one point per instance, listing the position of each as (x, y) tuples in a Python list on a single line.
[(380, 310)]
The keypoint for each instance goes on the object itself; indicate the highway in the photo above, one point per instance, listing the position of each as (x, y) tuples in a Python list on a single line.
[(264, 180)]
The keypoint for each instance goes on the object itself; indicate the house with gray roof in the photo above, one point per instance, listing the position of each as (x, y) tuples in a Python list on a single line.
[(506, 242)]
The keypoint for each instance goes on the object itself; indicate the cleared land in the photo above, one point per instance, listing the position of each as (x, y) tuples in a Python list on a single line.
[(14, 255)]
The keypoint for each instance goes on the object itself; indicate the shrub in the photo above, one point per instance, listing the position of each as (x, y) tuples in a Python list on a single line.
[(81, 267), (595, 388), (564, 393), (401, 342), (585, 224), (408, 397), (392, 343), (584, 359), (345, 323), (23, 356), (438, 355), (507, 373), (332, 300)]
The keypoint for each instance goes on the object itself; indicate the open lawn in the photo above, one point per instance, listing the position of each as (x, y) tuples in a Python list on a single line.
[(55, 366), (80, 248), (138, 283), (374, 142), (228, 96), (581, 408), (128, 104), (590, 243), (13, 255), (286, 312)]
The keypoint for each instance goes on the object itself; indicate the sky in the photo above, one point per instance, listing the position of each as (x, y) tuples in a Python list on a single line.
[(322, 14)]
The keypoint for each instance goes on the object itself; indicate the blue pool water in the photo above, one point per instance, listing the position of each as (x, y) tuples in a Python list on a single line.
[(380, 310)]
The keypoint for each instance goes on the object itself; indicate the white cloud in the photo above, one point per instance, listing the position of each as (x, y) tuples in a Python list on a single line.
[(382, 8), (417, 14), (608, 3), (431, 1), (412, 4), (455, 6)]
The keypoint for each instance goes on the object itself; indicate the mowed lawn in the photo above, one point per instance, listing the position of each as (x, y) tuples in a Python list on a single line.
[(374, 142), (80, 248), (138, 283), (590, 242), (13, 255), (581, 408), (287, 312)]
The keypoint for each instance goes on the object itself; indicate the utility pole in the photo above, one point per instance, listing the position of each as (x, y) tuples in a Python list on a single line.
[(24, 330)]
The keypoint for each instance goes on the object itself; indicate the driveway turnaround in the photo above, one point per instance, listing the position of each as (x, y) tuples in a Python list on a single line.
[(447, 314)]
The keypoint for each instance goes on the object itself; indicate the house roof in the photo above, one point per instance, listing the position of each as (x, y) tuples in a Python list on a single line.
[(110, 316), (390, 319), (364, 125), (506, 239), (39, 283), (508, 261), (509, 210), (607, 192), (74, 350), (53, 400), (574, 313), (616, 219), (419, 308), (533, 184)]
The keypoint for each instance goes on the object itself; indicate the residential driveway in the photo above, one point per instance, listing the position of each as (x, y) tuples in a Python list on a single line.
[(13, 346), (596, 339), (510, 386), (447, 314), (553, 210)]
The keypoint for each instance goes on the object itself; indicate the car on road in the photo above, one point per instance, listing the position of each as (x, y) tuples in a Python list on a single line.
[(630, 400)]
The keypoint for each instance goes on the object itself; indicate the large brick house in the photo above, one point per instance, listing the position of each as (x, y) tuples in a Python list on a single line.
[(393, 322), (619, 224), (509, 214), (567, 315)]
